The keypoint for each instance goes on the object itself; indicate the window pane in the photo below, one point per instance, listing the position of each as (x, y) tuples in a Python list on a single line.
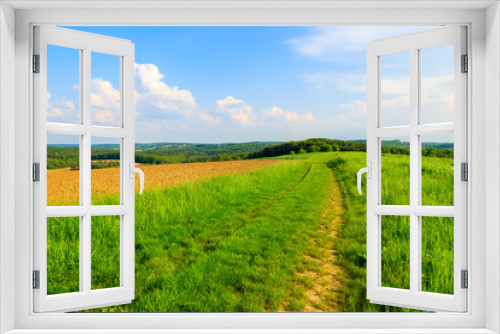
[(105, 90), (395, 89), (63, 170), (105, 252), (395, 171), (437, 254), (105, 173), (437, 169), (396, 251), (63, 251), (63, 85), (437, 90)]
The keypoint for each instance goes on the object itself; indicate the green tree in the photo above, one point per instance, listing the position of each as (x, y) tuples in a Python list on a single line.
[(313, 148)]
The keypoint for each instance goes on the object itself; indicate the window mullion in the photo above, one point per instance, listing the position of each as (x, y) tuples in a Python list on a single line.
[(414, 172), (85, 175)]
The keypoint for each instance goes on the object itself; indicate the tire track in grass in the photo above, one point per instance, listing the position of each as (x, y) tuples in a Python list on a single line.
[(258, 208), (267, 204), (253, 269)]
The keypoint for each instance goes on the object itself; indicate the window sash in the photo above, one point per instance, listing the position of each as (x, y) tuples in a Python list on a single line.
[(86, 298), (414, 298)]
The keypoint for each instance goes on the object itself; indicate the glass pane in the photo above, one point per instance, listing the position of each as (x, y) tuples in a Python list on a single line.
[(63, 85), (437, 90), (63, 170), (437, 254), (395, 171), (437, 169), (105, 172), (105, 252), (395, 251), (105, 90), (395, 89), (63, 252)]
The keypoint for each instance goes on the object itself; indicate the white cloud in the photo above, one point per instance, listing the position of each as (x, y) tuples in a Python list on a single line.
[(438, 99), (209, 119), (154, 127), (61, 110), (338, 43), (103, 94), (355, 109), (308, 117), (55, 112), (395, 86), (395, 100), (155, 99), (288, 116), (68, 105), (105, 102), (275, 112), (237, 110)]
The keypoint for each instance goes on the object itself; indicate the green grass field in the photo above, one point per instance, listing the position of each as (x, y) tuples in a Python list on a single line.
[(236, 243)]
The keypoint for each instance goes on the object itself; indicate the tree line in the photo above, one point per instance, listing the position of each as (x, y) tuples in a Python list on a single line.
[(155, 154)]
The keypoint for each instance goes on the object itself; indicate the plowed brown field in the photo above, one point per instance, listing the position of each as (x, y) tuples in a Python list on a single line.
[(63, 184)]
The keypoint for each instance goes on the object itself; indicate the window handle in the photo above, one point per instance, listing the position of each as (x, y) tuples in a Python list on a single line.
[(133, 170), (368, 171)]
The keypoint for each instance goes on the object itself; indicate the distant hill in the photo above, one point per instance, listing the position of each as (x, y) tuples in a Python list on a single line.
[(399, 143), (67, 155), (160, 153)]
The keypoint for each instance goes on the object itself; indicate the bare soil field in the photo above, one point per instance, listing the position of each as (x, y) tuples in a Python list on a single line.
[(63, 184)]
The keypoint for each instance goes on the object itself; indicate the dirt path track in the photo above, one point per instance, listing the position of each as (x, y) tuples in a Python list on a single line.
[(322, 271), (322, 296)]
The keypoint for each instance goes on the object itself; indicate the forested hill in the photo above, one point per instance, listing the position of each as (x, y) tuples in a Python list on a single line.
[(309, 145), (328, 145)]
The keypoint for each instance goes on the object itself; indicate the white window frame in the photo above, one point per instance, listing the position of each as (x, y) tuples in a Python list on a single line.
[(414, 297), (86, 44), (484, 49)]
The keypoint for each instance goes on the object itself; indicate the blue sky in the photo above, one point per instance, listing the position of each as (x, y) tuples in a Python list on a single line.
[(238, 84)]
